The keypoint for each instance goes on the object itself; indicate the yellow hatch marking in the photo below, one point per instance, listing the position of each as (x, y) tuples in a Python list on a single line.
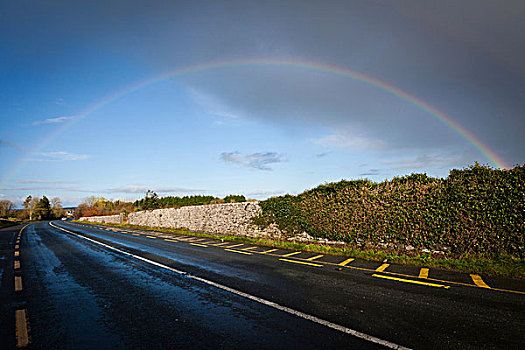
[(382, 267), (301, 262), (268, 251), (423, 273), (290, 254), (235, 245), (18, 283), (17, 264), (250, 248), (347, 261), (237, 251), (17, 253), (135, 234), (200, 240), (22, 338), (170, 240), (151, 237), (411, 281), (17, 246), (314, 257), (221, 244), (199, 245), (479, 282)]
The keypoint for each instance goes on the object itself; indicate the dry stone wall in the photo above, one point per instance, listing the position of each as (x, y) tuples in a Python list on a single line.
[(109, 219)]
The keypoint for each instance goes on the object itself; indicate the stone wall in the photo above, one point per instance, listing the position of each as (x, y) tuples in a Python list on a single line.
[(109, 219), (230, 218)]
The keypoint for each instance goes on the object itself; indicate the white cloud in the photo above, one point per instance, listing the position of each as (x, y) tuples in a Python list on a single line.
[(144, 188), (56, 120), (424, 161), (265, 194), (56, 157), (349, 141), (259, 161)]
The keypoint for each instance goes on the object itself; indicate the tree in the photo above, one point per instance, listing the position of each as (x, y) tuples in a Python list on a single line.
[(43, 209), (29, 206), (6, 207), (56, 207)]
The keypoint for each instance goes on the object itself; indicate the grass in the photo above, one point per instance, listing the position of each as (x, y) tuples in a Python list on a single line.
[(503, 265)]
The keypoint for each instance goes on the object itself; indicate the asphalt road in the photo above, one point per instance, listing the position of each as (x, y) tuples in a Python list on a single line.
[(85, 287)]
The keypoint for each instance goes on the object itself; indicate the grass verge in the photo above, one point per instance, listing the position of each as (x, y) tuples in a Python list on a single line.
[(503, 265)]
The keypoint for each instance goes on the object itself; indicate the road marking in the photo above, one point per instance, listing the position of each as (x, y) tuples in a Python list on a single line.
[(479, 282), (314, 257), (272, 304), (382, 267), (290, 254), (423, 273), (411, 281), (238, 251), (17, 253), (301, 262), (171, 240), (250, 248), (135, 234), (151, 236), (22, 338), (347, 261), (235, 245), (221, 244), (18, 283), (269, 251), (200, 240), (17, 246), (199, 245), (17, 264), (18, 241)]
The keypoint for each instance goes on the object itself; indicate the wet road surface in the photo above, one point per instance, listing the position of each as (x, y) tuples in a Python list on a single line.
[(83, 287)]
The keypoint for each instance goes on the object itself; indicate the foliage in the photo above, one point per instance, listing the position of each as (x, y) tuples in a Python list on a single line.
[(6, 208), (153, 201), (476, 210), (232, 198), (42, 210)]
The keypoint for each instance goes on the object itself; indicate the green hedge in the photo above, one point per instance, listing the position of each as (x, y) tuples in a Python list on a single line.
[(474, 210)]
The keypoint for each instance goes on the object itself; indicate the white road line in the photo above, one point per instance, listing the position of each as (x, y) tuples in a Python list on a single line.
[(251, 297)]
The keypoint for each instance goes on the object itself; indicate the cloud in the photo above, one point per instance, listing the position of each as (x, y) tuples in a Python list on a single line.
[(370, 172), (144, 188), (425, 161), (4, 143), (349, 141), (30, 181), (56, 120), (262, 193), (259, 161), (58, 156), (47, 188)]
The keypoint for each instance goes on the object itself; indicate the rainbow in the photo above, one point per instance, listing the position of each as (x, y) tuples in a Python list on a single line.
[(470, 138)]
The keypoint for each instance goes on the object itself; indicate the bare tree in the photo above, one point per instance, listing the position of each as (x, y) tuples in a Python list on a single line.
[(56, 207), (6, 208)]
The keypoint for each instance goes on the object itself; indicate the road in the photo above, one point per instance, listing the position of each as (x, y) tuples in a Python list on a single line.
[(73, 286)]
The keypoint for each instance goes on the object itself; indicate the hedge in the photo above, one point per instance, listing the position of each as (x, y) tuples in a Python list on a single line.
[(477, 210)]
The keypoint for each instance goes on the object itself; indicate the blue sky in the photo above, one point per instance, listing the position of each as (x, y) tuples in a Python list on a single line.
[(256, 130)]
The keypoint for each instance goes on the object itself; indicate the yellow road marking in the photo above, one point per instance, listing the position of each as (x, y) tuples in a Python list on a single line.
[(347, 261), (17, 253), (17, 264), (479, 282), (135, 234), (18, 283), (382, 267), (235, 245), (238, 251), (18, 241), (17, 246), (22, 338), (151, 236), (301, 262), (170, 240), (269, 251), (290, 254), (200, 240), (221, 244), (250, 248), (411, 281), (199, 245), (314, 257), (423, 273)]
